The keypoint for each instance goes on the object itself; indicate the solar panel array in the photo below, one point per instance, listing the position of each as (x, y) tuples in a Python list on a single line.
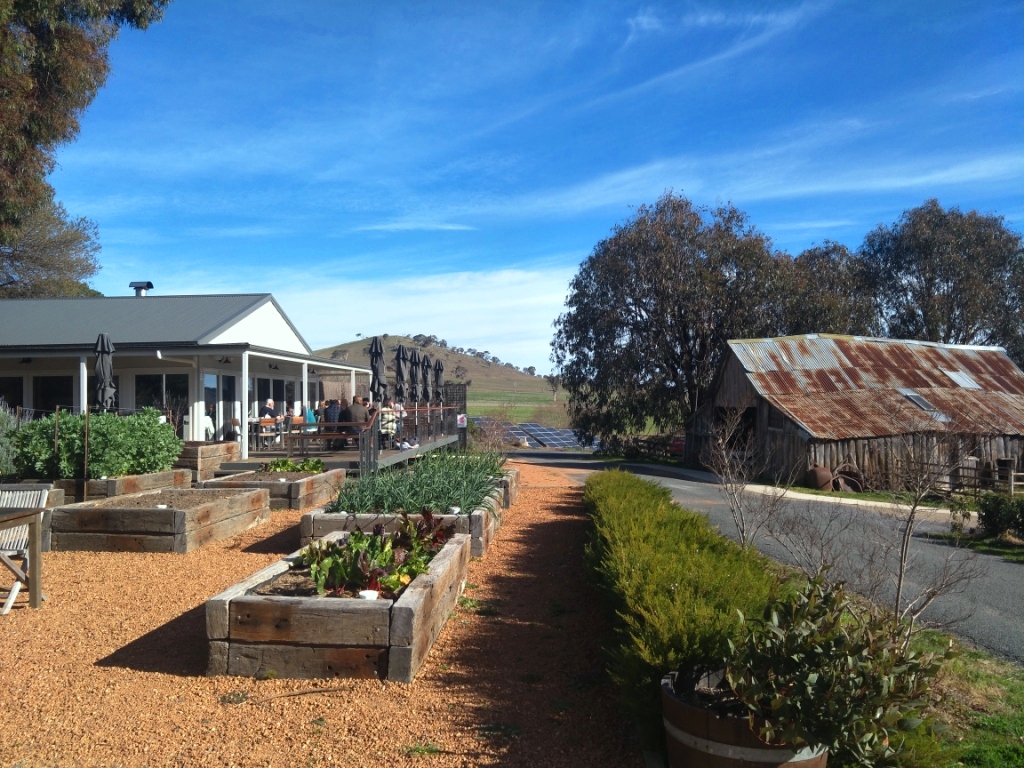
[(536, 435), (511, 430), (551, 437)]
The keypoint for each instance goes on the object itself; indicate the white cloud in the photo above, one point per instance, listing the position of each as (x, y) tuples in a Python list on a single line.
[(645, 22)]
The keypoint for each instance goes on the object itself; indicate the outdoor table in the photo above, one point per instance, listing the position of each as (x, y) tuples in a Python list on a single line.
[(12, 518)]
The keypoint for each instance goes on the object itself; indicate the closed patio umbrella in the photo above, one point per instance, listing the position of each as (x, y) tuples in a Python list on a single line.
[(439, 381), (427, 377), (104, 370), (378, 371), (401, 373), (415, 371)]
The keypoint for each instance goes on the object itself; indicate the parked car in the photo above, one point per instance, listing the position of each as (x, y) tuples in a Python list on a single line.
[(676, 446)]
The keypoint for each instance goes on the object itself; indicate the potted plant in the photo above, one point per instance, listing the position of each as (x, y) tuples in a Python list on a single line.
[(815, 675)]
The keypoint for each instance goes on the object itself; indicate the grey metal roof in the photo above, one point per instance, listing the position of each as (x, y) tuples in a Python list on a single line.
[(128, 319)]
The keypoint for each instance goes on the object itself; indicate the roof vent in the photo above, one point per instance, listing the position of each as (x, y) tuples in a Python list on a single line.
[(141, 287)]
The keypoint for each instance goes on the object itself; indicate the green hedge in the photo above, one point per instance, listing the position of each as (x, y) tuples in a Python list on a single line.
[(675, 583), (118, 445)]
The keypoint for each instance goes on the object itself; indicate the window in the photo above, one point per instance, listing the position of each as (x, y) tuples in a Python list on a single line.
[(11, 391), (924, 405), (775, 418), (963, 379), (50, 391), (149, 390)]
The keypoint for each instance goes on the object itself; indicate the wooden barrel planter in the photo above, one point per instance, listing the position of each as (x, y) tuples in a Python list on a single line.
[(698, 738)]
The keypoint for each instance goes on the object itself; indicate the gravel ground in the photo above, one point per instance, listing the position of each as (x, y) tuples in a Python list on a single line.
[(110, 671)]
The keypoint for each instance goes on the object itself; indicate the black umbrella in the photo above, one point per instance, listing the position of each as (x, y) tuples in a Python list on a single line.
[(415, 370), (104, 370), (401, 374), (428, 375), (439, 382), (378, 371)]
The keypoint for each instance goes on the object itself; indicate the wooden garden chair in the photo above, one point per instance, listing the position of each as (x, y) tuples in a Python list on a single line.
[(15, 542)]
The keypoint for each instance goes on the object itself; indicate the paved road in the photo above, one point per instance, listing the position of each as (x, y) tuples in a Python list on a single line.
[(994, 602)]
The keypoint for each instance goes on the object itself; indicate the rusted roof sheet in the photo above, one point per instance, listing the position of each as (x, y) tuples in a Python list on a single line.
[(841, 387)]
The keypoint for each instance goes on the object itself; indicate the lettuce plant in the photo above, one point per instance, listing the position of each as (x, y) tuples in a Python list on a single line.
[(378, 560)]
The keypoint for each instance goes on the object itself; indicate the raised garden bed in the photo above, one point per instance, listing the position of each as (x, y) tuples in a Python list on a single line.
[(204, 459), (256, 635), (509, 485), (481, 524), (300, 490), (118, 486), (135, 522)]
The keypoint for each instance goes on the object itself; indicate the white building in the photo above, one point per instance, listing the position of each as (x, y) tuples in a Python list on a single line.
[(223, 355)]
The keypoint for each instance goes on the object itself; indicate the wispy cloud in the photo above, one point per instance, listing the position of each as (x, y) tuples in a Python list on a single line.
[(413, 226), (758, 30), (239, 232), (644, 23)]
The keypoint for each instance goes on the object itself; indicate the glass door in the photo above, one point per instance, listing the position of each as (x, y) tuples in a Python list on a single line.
[(210, 406), (228, 430)]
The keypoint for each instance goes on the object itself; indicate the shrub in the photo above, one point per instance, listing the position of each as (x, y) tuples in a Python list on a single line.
[(818, 671), (438, 482), (7, 424), (998, 513), (675, 584), (118, 445), (287, 465)]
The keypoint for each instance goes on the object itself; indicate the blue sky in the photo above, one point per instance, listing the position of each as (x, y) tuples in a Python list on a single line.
[(443, 168)]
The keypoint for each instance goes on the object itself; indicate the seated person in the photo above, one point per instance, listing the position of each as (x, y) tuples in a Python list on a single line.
[(388, 423), (332, 415), (268, 412), (310, 419), (356, 413)]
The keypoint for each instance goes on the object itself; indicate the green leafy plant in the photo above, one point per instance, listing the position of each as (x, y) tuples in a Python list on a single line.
[(380, 561), (287, 465), (818, 671), (118, 445), (438, 482), (998, 513)]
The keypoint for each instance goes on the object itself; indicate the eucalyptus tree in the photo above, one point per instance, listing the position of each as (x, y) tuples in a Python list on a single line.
[(50, 254), (948, 276), (830, 292), (650, 311), (53, 60)]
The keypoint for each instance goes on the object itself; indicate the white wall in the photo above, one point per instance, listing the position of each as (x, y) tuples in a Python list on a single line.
[(264, 327)]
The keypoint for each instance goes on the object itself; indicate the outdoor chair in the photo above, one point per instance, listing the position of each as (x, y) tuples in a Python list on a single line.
[(14, 542)]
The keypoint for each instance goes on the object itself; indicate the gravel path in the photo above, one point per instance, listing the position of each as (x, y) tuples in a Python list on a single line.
[(110, 671)]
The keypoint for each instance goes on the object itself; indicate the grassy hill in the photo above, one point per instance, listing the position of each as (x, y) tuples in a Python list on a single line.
[(495, 389)]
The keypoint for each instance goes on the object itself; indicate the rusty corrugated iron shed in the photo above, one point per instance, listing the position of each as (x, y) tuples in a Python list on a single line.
[(843, 387)]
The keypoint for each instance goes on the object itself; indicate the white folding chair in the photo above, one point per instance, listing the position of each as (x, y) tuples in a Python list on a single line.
[(14, 541)]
